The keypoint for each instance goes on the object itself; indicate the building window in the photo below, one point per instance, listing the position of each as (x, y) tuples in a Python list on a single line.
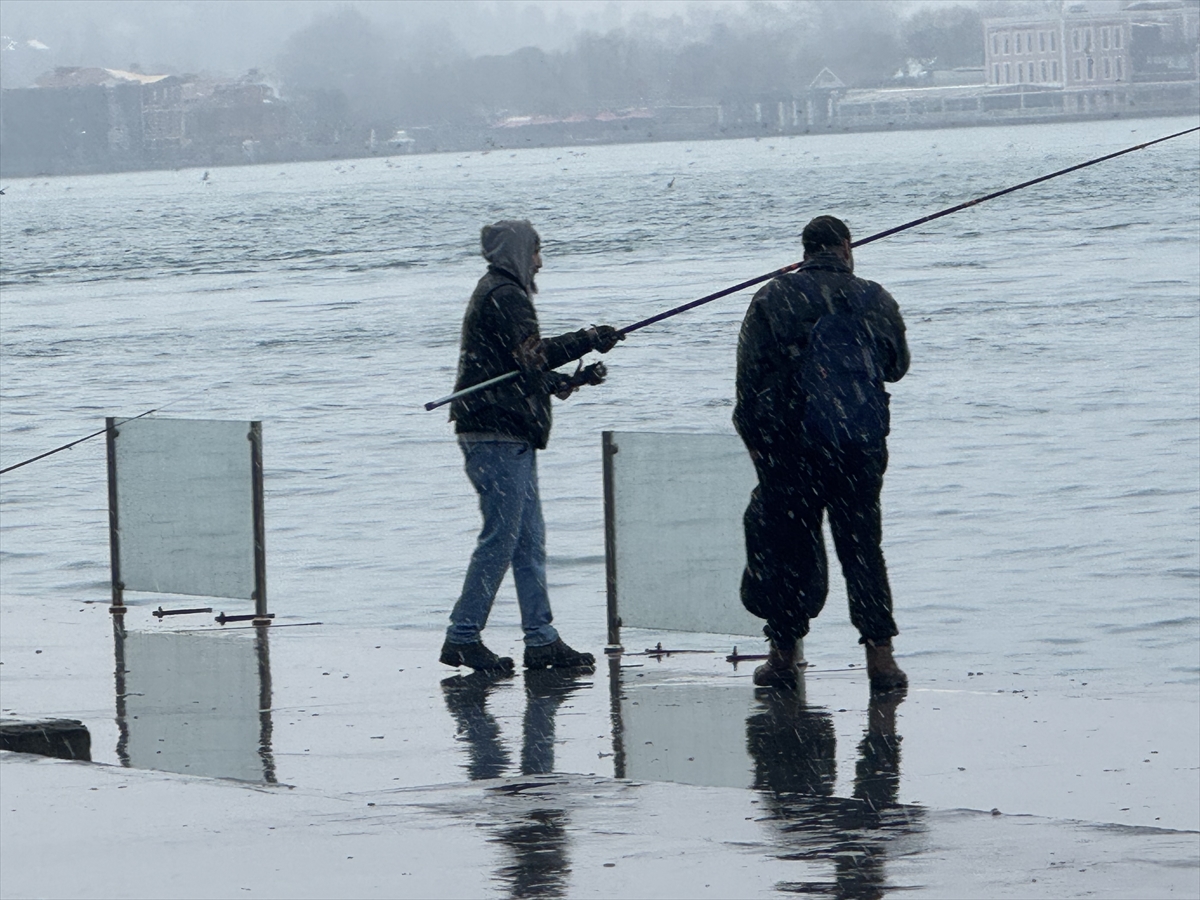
[(1117, 37), (1075, 38), (1017, 42), (1042, 41), (1008, 73), (1054, 71), (1043, 67), (1020, 73), (996, 73), (1104, 38), (1078, 76), (1091, 64), (1006, 45), (1107, 67), (1089, 39), (1031, 75), (1029, 42), (1053, 42), (995, 44), (1120, 70)]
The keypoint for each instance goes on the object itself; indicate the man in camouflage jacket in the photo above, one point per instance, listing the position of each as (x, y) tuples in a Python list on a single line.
[(801, 475)]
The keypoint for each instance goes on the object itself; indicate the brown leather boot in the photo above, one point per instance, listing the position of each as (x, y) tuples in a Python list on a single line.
[(781, 670), (882, 670)]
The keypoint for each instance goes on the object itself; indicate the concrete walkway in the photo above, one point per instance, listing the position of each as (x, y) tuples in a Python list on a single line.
[(334, 762)]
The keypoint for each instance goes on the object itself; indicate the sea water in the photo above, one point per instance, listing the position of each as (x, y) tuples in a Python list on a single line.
[(1042, 506)]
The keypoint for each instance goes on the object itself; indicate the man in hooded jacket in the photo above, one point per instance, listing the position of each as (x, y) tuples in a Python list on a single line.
[(500, 430), (807, 465)]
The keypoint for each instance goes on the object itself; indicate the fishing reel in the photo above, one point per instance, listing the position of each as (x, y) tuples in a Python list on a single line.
[(593, 374)]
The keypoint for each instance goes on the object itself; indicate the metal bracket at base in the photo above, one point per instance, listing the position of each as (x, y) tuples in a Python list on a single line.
[(254, 617), (160, 612)]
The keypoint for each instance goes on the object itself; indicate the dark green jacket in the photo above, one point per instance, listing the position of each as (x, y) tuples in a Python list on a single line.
[(499, 318), (774, 338)]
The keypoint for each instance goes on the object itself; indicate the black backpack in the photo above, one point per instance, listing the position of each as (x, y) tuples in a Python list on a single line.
[(844, 400)]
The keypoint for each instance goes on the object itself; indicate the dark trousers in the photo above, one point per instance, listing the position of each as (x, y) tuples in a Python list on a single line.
[(786, 578)]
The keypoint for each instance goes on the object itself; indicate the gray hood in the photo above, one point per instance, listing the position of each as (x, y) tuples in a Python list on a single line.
[(509, 245)]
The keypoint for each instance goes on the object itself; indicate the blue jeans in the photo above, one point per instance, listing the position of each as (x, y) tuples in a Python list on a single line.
[(505, 476)]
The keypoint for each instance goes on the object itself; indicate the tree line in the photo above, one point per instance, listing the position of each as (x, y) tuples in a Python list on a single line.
[(345, 70)]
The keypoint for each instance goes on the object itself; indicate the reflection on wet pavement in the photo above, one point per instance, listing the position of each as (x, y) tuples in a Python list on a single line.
[(681, 731), (505, 787), (541, 866), (689, 730), (536, 840), (196, 703), (795, 753), (466, 699)]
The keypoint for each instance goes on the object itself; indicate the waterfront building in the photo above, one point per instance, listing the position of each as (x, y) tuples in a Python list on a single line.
[(1147, 41)]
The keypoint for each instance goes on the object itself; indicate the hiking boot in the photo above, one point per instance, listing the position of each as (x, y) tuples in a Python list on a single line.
[(781, 670), (557, 656), (475, 656), (882, 670)]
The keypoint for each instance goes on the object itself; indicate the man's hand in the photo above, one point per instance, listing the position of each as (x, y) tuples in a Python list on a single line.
[(604, 337), (593, 374)]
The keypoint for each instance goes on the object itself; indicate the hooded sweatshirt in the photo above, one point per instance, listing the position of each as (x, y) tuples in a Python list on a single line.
[(500, 317)]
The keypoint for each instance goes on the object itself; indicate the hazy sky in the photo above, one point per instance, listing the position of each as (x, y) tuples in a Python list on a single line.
[(233, 35)]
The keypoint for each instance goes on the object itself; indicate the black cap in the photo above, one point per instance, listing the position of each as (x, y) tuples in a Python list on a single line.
[(824, 232)]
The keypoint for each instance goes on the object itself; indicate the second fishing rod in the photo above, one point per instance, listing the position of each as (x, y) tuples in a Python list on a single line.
[(709, 298)]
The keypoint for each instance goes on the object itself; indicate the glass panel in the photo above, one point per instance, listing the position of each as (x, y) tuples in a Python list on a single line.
[(190, 704), (679, 500), (185, 507)]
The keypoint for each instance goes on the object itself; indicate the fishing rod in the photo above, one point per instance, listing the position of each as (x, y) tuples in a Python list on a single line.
[(33, 459), (628, 329), (96, 434)]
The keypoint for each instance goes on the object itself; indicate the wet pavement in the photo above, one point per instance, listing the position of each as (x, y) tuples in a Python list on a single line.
[(306, 760)]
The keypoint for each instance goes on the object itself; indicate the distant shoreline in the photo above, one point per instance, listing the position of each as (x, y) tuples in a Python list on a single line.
[(671, 125)]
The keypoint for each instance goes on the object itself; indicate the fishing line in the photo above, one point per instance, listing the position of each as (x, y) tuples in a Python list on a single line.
[(95, 434), (628, 329)]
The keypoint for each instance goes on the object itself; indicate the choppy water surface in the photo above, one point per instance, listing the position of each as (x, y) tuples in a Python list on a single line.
[(1043, 502)]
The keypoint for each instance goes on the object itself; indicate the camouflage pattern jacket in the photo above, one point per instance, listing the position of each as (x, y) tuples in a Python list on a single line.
[(774, 338)]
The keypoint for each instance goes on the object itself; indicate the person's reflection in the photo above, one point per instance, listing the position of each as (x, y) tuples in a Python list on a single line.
[(545, 691), (793, 745), (537, 838), (794, 749), (466, 699)]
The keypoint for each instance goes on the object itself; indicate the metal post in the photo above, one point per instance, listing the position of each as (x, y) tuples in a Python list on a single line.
[(260, 546), (114, 535), (608, 450)]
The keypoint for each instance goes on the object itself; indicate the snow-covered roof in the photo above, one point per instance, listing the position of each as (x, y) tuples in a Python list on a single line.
[(77, 76)]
